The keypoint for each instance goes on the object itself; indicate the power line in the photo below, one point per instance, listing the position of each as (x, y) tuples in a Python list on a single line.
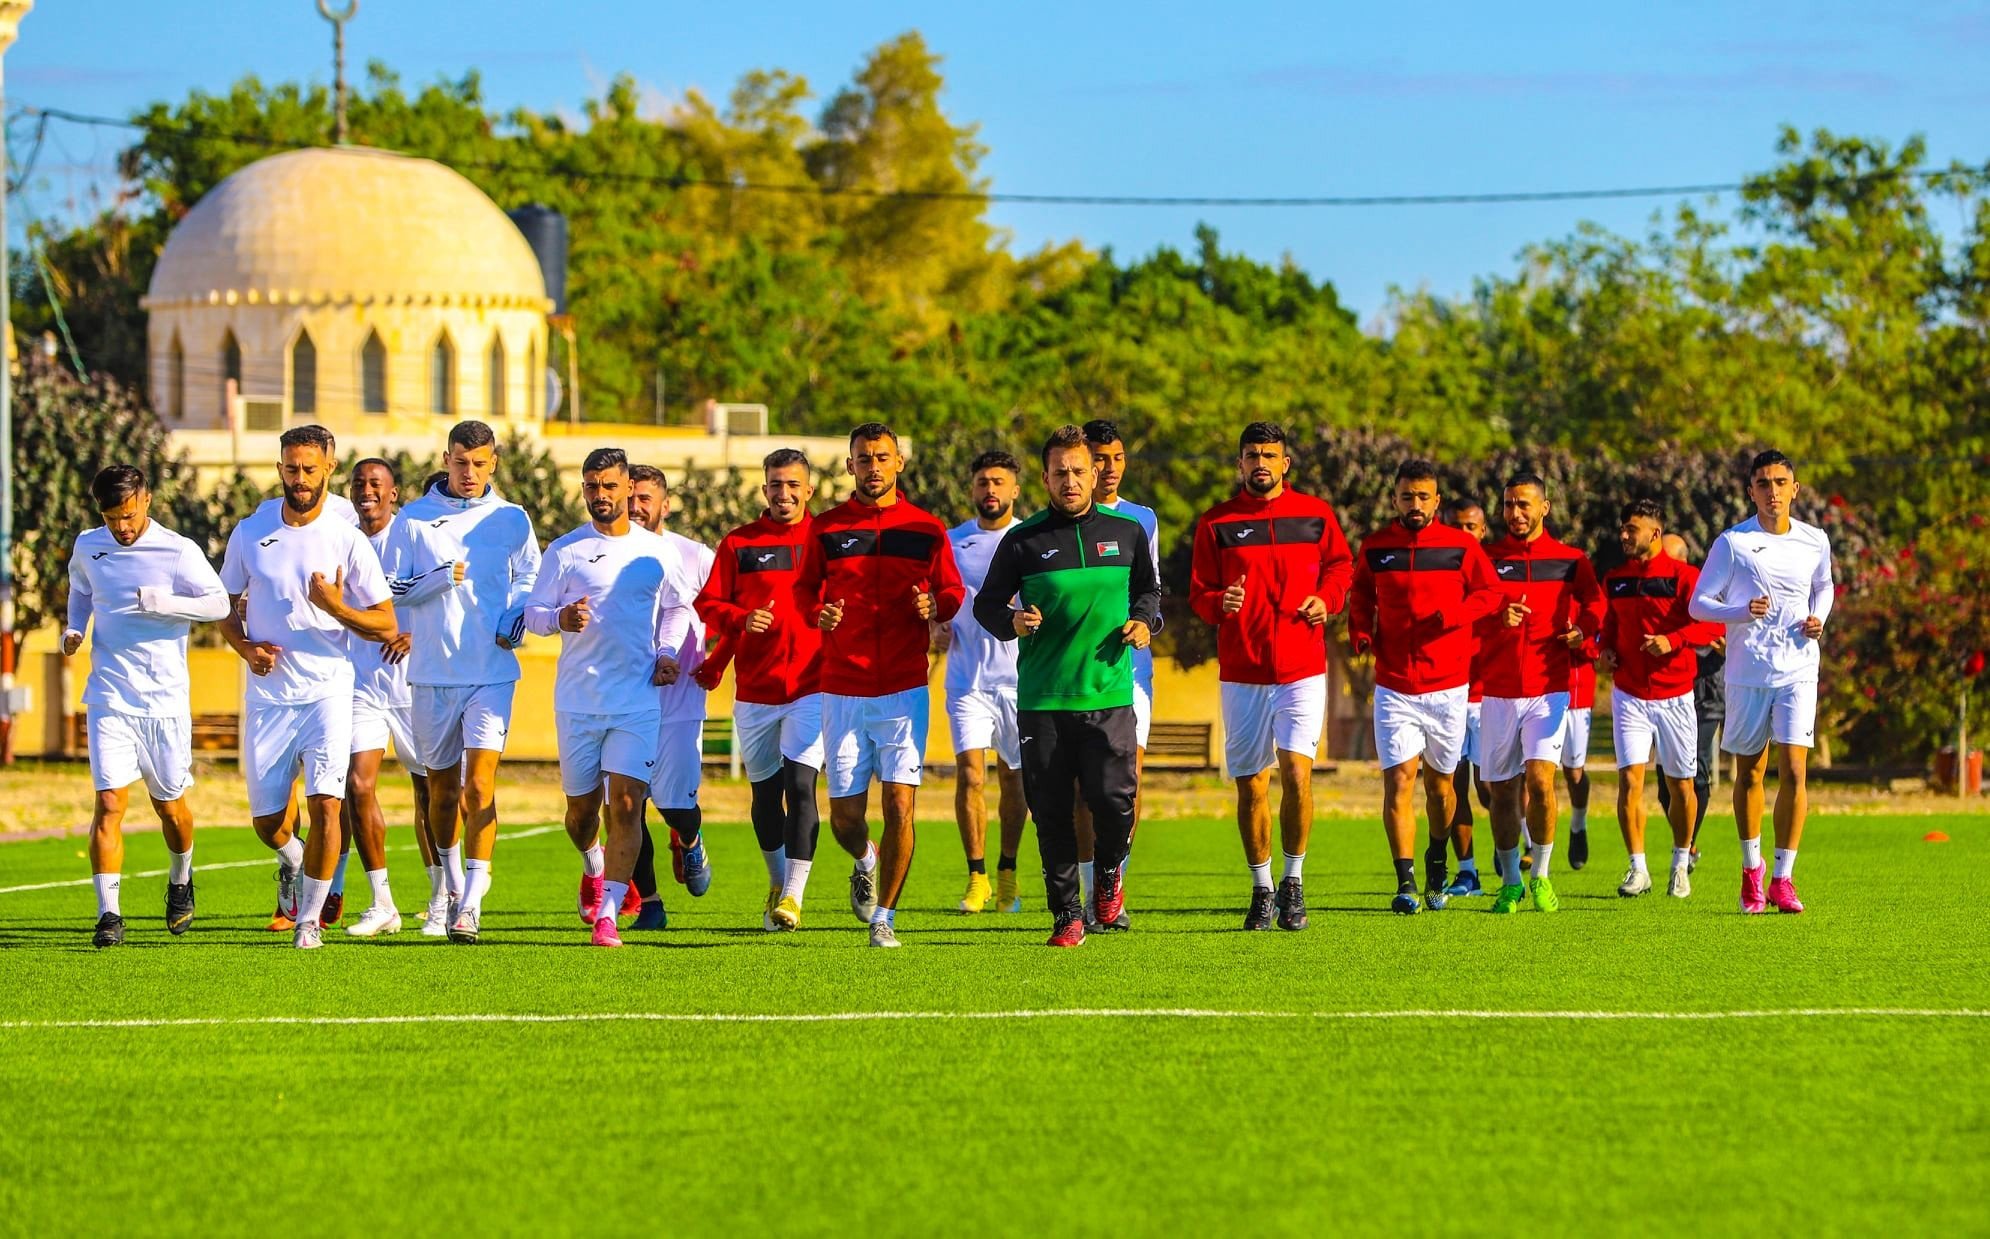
[(686, 181)]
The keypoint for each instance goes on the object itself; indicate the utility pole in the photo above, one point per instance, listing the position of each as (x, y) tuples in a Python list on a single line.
[(11, 13), (338, 21)]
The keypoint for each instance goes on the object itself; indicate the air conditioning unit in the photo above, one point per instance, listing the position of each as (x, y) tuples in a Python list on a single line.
[(262, 413), (737, 419)]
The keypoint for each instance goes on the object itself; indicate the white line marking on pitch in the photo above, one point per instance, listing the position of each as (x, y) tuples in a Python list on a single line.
[(1109, 1013), (243, 864)]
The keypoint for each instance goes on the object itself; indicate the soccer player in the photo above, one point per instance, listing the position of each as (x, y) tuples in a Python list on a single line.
[(462, 562), (981, 690), (875, 569), (1088, 591), (1709, 704), (1769, 580), (1465, 513), (679, 769), (1576, 726), (1109, 459), (382, 710), (1551, 607), (1419, 589), (1270, 566), (1647, 641), (144, 586), (607, 588), (776, 650), (312, 582)]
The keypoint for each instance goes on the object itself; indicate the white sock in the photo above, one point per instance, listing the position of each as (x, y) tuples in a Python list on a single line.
[(777, 865), (1261, 877), (1526, 836), (107, 887), (311, 904), (612, 893), (1508, 860), (796, 880), (179, 866), (1751, 853), (1637, 862), (1295, 866), (436, 879), (1786, 862), (593, 862), (1542, 853), (476, 881), (382, 897), (869, 860), (1578, 820), (451, 860), (1681, 857), (1087, 880), (338, 873), (292, 854), (888, 916), (1469, 865)]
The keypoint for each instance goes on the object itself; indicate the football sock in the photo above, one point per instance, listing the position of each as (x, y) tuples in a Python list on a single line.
[(292, 854), (1005, 862), (1681, 857), (1579, 818), (1508, 860), (477, 880), (1468, 865), (1637, 862), (777, 864), (888, 916), (1260, 876), (1086, 881), (797, 880), (338, 874), (685, 824), (868, 862), (978, 864), (644, 876), (612, 894), (107, 890), (1751, 853), (382, 896), (179, 866), (451, 860), (594, 862), (1542, 853), (1786, 862), (1406, 875), (311, 902), (435, 880), (1295, 866)]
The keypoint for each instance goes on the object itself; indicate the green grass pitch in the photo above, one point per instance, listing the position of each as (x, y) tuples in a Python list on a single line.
[(1276, 1118)]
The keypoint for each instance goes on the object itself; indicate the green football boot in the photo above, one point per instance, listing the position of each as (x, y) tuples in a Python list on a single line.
[(1545, 899), (1510, 898)]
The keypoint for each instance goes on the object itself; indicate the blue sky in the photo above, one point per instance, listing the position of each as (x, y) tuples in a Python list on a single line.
[(1155, 98)]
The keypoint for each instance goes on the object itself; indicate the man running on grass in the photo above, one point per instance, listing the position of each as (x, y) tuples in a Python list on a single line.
[(1466, 514), (1769, 580), (1090, 597), (143, 587), (876, 570), (1709, 705)]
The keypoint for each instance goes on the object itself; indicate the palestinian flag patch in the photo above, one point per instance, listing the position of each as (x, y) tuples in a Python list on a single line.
[(1105, 550)]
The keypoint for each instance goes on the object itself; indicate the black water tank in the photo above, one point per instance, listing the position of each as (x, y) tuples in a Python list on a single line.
[(546, 232)]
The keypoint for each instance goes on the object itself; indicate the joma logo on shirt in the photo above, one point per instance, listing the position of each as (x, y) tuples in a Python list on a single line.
[(100, 555), (1047, 554), (768, 558), (598, 558), (267, 542), (848, 543), (1247, 531)]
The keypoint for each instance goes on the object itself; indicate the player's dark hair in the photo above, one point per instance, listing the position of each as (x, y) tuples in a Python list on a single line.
[(1528, 478), (472, 435), (996, 458), (114, 484), (1454, 509), (1101, 432), (1416, 470), (786, 458), (650, 474), (309, 436), (434, 480), (1647, 508), (1764, 460), (872, 430), (1260, 432), (1061, 438), (605, 458), (357, 465)]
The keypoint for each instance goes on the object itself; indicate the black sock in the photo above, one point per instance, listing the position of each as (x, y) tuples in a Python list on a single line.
[(644, 878), (686, 823), (1405, 875), (1005, 862), (978, 865), (1433, 864)]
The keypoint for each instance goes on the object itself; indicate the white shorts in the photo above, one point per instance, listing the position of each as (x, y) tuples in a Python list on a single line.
[(1261, 719), (277, 740), (1143, 714), (1671, 723), (1576, 725), (885, 736), (1516, 730), (452, 717), (593, 746), (1427, 725), (1755, 716), (986, 719), (680, 755), (767, 735), (125, 748), (374, 725), (1474, 748)]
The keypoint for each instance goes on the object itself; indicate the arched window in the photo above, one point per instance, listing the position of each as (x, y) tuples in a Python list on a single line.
[(442, 376), (532, 379), (495, 376), (303, 375), (231, 366), (373, 374), (176, 380)]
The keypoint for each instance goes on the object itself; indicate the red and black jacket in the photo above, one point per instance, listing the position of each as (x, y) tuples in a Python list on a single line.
[(757, 564), (1287, 548), (1651, 599), (1582, 677), (873, 559), (1559, 586), (1416, 596)]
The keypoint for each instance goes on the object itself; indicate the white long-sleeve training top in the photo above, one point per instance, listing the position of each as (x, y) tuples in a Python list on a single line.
[(1793, 570)]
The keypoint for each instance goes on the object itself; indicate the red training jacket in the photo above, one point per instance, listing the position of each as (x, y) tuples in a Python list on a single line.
[(1416, 597), (1287, 548), (757, 564), (1582, 678), (873, 559), (1647, 599), (1478, 680), (1558, 583)]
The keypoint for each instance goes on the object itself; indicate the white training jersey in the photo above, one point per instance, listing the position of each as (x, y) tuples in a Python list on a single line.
[(454, 624), (272, 563), (1143, 658), (1793, 570), (976, 661), (374, 679), (143, 599), (690, 568), (627, 580)]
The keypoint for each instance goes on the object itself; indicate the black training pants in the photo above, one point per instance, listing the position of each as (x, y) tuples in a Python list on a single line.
[(1096, 751), (1703, 781)]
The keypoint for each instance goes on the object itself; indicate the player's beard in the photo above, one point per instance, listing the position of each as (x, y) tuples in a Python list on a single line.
[(1414, 521), (993, 509), (1522, 530), (603, 511), (1260, 488), (873, 488), (311, 498)]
